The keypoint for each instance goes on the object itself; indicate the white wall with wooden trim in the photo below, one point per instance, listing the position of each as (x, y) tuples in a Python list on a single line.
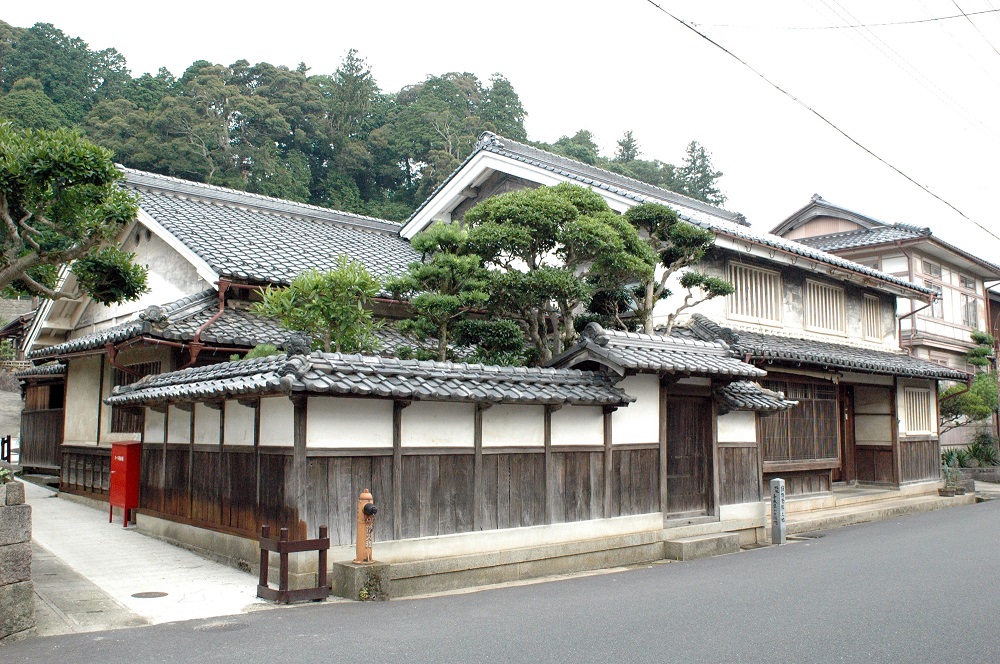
[(438, 424), (178, 426), (640, 421), (349, 423), (276, 421), (506, 425), (239, 423), (737, 427), (578, 425)]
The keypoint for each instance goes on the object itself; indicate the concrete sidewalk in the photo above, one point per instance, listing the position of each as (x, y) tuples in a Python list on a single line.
[(88, 573)]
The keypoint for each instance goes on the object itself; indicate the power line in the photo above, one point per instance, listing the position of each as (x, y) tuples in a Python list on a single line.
[(973, 24), (815, 112), (853, 25)]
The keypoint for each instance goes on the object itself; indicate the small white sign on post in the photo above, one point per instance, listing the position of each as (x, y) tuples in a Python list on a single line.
[(777, 511)]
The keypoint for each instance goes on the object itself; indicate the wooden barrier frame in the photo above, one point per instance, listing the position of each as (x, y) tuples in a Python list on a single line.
[(282, 546)]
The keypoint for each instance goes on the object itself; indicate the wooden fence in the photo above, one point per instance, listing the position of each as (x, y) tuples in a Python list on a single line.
[(41, 439)]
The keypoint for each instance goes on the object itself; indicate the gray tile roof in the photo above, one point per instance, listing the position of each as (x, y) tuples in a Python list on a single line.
[(337, 373), (701, 214), (49, 369), (655, 353), (746, 395), (793, 351), (266, 240), (865, 237)]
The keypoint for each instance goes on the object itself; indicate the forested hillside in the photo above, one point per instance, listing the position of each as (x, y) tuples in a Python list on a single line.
[(335, 140)]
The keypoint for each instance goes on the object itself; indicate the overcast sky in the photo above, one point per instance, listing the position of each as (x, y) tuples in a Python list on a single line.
[(923, 96)]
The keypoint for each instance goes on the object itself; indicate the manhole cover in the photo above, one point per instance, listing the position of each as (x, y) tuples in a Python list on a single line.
[(222, 626), (149, 595)]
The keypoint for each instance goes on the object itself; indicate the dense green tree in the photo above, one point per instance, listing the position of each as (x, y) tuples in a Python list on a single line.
[(628, 148), (960, 405), (444, 286), (60, 202), (332, 307), (579, 146), (697, 177), (27, 107), (502, 111), (549, 250), (678, 245)]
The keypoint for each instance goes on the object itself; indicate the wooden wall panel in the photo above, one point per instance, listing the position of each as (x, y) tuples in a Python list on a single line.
[(874, 464), (276, 493), (239, 489), (41, 438), (176, 499), (206, 485), (800, 483), (920, 460), (86, 470), (579, 485), (151, 477), (437, 494), (739, 475), (515, 490), (635, 482)]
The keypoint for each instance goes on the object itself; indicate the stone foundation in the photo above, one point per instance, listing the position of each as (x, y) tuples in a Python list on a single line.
[(17, 595)]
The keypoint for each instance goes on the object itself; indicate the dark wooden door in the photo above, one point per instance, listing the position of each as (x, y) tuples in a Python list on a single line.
[(846, 472), (689, 445)]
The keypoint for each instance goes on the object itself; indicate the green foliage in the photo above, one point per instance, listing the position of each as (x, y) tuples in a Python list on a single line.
[(984, 449), (6, 350), (499, 342), (5, 475), (260, 350), (549, 251), (628, 149), (59, 202), (959, 405), (448, 282), (332, 307), (678, 245), (697, 177), (110, 275)]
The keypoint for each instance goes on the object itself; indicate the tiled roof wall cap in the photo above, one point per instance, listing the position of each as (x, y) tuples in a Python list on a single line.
[(49, 369), (216, 194), (605, 337)]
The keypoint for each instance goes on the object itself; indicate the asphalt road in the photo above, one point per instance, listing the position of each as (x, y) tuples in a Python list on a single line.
[(923, 588)]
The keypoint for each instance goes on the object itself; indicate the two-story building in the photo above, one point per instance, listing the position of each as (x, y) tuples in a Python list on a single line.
[(939, 331)]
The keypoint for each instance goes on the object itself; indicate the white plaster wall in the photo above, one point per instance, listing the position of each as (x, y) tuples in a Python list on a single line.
[(578, 425), (277, 421), (510, 425), (178, 426), (339, 422), (154, 426), (639, 422), (438, 424), (738, 427), (206, 425), (239, 424), (895, 265), (83, 386)]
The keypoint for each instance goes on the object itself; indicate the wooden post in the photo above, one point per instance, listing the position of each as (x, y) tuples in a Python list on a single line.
[(323, 534), (713, 458), (283, 562), (663, 447), (550, 472), (163, 466), (265, 533), (299, 461), (397, 468), (221, 477), (608, 461), (477, 469), (897, 460), (258, 516)]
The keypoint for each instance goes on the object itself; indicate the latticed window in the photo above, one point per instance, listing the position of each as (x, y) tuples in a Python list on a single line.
[(917, 410), (756, 295), (931, 269), (806, 432), (937, 304), (871, 318), (129, 420), (825, 308)]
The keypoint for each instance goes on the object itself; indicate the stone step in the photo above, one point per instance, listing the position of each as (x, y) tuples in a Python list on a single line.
[(701, 546), (866, 512)]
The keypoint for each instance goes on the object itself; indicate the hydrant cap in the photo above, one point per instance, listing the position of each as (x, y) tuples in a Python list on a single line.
[(366, 495)]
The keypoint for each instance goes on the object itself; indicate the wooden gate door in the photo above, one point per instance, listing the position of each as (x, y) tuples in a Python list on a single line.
[(689, 445), (846, 472)]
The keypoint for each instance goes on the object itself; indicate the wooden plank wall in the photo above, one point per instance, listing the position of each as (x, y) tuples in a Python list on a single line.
[(41, 438), (802, 482), (739, 474), (85, 470), (874, 464), (920, 460)]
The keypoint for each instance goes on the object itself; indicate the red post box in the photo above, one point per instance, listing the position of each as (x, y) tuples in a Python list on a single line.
[(124, 478)]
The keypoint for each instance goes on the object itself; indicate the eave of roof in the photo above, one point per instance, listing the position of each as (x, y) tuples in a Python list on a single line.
[(378, 377), (744, 395)]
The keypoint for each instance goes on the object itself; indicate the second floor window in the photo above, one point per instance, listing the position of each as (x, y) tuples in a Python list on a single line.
[(824, 307), (970, 310), (932, 269), (937, 305), (871, 318), (757, 294), (966, 282)]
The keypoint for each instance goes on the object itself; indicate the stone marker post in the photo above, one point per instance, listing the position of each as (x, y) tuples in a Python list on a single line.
[(777, 511), (17, 595)]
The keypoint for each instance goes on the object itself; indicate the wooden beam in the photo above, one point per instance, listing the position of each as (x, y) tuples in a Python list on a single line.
[(300, 404), (397, 468), (663, 445), (478, 502), (608, 462), (550, 471), (714, 460)]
